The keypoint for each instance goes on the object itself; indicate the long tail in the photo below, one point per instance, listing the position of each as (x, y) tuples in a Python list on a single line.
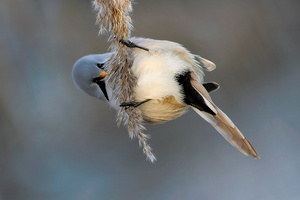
[(222, 123), (229, 131)]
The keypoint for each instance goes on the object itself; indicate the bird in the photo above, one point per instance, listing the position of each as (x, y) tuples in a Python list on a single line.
[(170, 80)]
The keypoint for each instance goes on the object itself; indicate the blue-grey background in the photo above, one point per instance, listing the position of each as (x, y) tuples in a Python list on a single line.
[(57, 143)]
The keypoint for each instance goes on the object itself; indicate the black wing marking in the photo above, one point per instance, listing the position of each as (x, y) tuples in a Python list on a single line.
[(191, 95), (211, 86)]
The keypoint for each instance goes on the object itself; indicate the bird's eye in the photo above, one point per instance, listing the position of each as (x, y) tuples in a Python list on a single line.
[(100, 65)]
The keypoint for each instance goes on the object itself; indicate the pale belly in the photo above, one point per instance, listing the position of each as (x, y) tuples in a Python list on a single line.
[(160, 111)]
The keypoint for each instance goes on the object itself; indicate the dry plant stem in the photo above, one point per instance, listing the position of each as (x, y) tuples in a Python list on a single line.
[(113, 16)]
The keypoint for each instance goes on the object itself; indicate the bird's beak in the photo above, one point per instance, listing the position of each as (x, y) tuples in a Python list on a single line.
[(103, 74)]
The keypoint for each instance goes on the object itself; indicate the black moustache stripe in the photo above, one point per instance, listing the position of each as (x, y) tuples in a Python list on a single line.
[(101, 83)]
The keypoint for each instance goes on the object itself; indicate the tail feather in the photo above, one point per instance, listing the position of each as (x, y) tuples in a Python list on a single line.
[(221, 122), (229, 131)]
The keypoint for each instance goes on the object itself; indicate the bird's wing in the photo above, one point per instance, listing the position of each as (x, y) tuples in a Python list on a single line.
[(221, 122), (206, 64), (211, 86)]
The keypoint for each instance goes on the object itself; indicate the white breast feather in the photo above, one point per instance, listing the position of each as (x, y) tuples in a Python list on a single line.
[(157, 68), (156, 74)]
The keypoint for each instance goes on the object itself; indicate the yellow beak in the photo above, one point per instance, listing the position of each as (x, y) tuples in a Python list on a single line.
[(103, 74)]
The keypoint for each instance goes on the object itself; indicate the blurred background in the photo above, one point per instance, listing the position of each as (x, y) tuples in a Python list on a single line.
[(57, 143)]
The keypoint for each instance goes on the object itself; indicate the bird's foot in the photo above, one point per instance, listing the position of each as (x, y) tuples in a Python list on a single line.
[(133, 103), (130, 44)]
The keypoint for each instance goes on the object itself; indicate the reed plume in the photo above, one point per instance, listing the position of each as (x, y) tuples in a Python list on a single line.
[(113, 16)]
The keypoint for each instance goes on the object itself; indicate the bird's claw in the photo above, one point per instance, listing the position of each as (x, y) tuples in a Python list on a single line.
[(130, 44), (133, 103)]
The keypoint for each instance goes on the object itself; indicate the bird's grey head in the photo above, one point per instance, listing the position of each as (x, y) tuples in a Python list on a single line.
[(88, 75)]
